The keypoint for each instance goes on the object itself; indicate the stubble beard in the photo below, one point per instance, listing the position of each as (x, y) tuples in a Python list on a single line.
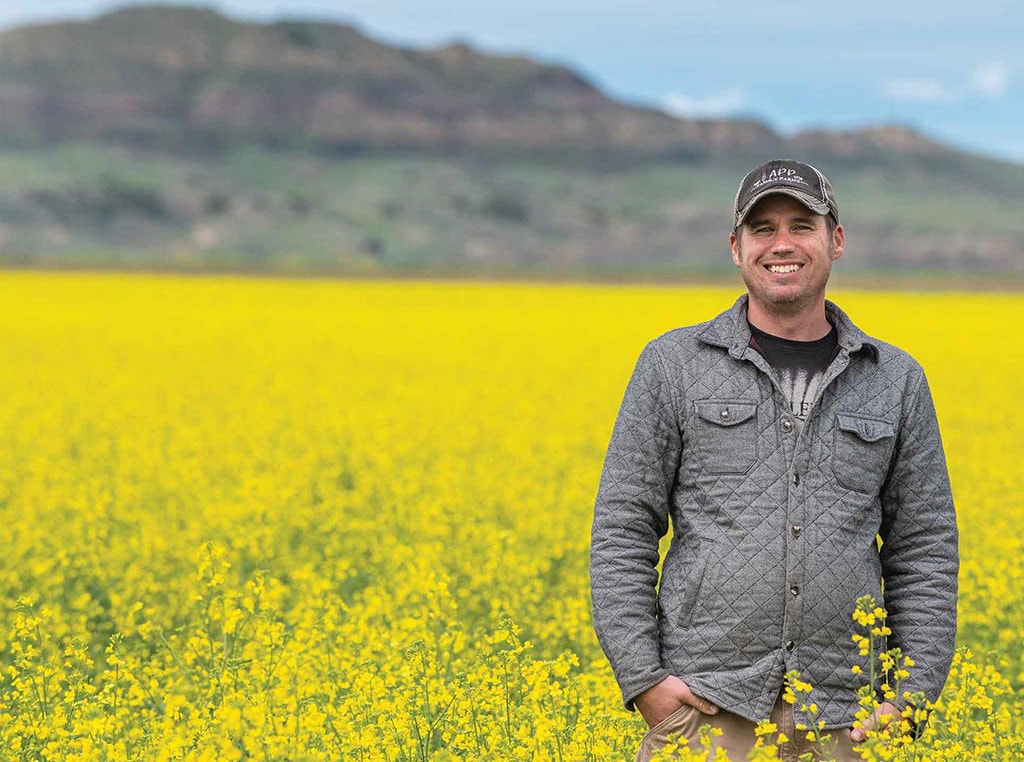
[(791, 303)]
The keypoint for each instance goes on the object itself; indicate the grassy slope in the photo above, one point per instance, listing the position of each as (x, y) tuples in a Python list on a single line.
[(252, 209)]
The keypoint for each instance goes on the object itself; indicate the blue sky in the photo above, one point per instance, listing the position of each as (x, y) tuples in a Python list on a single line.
[(956, 73)]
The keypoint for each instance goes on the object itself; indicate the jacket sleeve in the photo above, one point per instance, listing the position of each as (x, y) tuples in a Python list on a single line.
[(630, 516), (919, 553)]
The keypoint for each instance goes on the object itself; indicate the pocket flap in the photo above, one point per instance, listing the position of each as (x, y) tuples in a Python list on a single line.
[(725, 412), (868, 429)]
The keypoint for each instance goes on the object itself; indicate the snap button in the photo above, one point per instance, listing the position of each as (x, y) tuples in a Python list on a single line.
[(790, 645), (724, 414), (795, 590), (796, 478), (797, 529), (787, 425)]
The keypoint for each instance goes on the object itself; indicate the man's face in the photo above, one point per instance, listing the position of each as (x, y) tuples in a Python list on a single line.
[(785, 254)]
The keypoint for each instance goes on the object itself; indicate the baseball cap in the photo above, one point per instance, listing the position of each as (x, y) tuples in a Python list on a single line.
[(793, 178)]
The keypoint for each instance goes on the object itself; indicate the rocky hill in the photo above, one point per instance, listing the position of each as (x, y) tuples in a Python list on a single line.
[(176, 136), (189, 78)]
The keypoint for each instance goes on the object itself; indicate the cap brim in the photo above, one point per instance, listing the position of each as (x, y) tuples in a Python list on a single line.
[(816, 206)]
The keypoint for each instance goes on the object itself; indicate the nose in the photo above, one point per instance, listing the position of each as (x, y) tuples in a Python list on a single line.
[(782, 242)]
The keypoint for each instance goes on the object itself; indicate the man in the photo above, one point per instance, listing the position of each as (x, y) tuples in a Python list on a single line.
[(782, 442)]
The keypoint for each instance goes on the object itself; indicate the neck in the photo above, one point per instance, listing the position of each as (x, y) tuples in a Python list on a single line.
[(805, 324)]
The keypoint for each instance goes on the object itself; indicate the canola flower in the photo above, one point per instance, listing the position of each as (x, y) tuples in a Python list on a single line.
[(330, 520)]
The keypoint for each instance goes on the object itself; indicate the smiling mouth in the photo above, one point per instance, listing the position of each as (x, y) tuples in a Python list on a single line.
[(782, 268)]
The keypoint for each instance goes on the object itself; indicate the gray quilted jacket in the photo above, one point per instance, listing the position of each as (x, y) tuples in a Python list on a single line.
[(774, 528)]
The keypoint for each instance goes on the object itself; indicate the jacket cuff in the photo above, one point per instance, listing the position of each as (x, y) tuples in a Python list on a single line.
[(634, 689)]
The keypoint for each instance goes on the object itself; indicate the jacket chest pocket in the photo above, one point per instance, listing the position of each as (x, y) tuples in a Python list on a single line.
[(863, 446), (726, 435)]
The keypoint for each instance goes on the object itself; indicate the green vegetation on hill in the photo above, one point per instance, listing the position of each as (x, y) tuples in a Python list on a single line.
[(169, 137), (254, 209)]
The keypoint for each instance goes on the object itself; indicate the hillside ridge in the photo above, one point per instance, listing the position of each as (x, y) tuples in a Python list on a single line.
[(191, 79), (171, 137)]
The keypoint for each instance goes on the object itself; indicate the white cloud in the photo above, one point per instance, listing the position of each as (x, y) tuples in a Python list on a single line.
[(721, 104), (918, 91), (991, 80)]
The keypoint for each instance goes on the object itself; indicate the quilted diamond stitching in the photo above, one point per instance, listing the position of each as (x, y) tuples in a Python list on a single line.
[(734, 653)]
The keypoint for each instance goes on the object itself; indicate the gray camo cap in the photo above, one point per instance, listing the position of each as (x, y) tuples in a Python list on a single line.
[(793, 178)]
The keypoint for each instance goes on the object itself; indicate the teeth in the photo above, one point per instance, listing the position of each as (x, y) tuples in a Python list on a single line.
[(783, 268)]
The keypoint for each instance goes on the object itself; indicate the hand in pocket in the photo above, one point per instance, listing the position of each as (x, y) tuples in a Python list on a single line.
[(665, 698)]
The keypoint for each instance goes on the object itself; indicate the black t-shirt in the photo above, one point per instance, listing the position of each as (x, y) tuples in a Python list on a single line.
[(799, 365)]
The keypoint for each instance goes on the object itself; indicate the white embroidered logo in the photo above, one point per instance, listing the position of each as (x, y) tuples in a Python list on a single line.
[(780, 176)]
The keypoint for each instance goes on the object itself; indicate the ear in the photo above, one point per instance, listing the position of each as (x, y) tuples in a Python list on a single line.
[(734, 245), (838, 242)]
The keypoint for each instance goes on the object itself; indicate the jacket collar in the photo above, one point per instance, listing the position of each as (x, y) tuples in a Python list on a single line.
[(730, 331)]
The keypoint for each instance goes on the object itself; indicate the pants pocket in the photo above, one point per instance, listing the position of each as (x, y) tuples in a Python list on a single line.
[(682, 723)]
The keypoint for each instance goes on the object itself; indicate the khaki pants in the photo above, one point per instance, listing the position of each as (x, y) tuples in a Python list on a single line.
[(738, 737)]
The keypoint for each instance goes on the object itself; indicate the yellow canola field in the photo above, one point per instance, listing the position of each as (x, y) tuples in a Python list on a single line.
[(305, 520)]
